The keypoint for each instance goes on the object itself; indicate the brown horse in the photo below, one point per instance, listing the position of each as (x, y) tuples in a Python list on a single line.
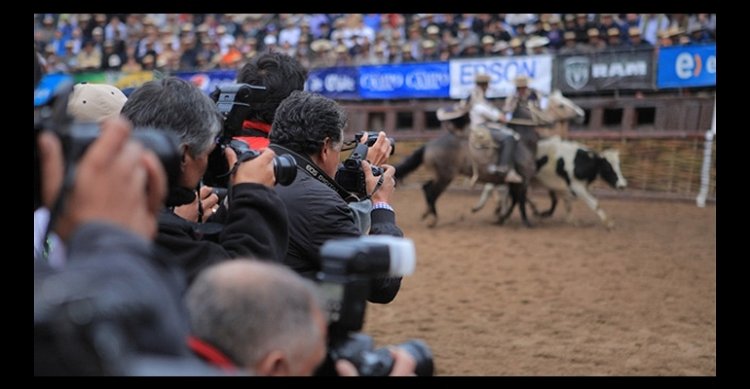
[(450, 155)]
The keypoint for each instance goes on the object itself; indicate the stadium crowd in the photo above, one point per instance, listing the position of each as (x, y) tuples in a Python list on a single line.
[(174, 42)]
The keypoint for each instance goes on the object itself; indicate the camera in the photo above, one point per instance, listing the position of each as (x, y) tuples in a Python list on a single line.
[(217, 173), (50, 113), (234, 102), (350, 175), (348, 268), (372, 137)]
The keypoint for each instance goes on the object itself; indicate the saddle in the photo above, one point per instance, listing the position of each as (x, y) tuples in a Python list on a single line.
[(481, 137)]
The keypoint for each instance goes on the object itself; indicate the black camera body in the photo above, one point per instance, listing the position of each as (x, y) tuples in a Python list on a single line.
[(372, 137), (350, 175), (348, 268), (234, 102), (50, 113)]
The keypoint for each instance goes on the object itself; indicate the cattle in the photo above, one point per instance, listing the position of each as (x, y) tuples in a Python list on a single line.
[(566, 169)]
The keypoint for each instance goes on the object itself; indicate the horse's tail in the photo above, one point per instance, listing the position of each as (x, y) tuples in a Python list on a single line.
[(410, 163)]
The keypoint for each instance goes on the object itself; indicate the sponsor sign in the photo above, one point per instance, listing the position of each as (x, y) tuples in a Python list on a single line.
[(686, 66), (336, 83), (423, 80), (208, 81), (605, 71), (502, 71)]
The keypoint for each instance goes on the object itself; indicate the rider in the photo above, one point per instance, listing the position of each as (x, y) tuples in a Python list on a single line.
[(482, 112), (519, 105)]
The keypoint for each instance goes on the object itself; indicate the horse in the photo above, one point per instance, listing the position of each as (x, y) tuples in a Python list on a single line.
[(449, 155), (566, 169)]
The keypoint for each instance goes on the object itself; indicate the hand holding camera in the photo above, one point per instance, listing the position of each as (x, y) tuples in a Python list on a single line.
[(209, 202), (129, 180), (379, 150), (380, 188), (259, 170)]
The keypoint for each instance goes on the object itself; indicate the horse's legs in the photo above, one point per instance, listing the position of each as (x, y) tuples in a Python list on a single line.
[(522, 192), (514, 199), (551, 210), (432, 190), (483, 198)]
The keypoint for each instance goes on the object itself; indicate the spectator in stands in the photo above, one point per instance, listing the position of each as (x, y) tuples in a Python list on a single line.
[(614, 43), (555, 33), (595, 44), (310, 128), (517, 47), (255, 218), (536, 45), (570, 45), (651, 25), (636, 42)]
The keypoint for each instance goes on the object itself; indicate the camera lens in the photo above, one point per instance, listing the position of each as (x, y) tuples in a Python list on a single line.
[(285, 169), (422, 354)]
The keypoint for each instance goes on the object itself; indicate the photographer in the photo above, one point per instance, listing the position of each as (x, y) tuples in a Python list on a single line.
[(256, 219), (281, 75), (310, 127), (264, 319), (107, 232)]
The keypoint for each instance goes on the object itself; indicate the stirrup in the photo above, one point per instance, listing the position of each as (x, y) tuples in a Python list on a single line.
[(513, 177)]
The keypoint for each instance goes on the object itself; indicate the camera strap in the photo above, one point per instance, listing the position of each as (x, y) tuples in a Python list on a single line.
[(311, 169)]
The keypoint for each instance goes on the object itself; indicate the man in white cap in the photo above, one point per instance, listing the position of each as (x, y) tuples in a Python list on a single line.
[(482, 113)]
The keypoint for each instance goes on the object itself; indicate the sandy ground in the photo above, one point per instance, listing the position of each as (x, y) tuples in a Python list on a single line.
[(559, 299)]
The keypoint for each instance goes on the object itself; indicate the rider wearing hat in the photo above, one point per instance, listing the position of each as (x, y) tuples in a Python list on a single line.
[(482, 112)]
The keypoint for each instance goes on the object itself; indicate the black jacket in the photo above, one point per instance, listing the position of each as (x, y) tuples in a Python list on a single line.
[(317, 213), (254, 226), (112, 270)]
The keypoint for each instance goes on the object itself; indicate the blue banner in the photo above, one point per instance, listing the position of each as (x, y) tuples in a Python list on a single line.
[(686, 66), (209, 80), (423, 80), (334, 83)]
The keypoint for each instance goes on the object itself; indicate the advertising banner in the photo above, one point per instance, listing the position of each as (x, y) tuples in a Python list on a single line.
[(686, 66), (209, 80), (335, 83), (404, 81), (605, 71), (502, 71)]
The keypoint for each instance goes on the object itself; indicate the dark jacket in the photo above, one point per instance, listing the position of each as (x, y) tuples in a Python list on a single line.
[(316, 214), (112, 269), (255, 226)]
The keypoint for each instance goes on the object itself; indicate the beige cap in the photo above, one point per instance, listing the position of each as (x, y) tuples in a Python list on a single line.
[(95, 102), (592, 32), (433, 30), (634, 31), (488, 40), (613, 31), (569, 35)]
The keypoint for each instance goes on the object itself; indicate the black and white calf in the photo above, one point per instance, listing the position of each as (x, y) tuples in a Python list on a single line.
[(566, 169)]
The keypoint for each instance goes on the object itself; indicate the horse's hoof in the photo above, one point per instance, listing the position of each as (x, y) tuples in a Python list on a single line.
[(431, 222), (545, 214), (610, 225), (475, 209)]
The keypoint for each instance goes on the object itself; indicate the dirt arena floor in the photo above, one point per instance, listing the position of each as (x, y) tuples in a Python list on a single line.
[(559, 299)]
